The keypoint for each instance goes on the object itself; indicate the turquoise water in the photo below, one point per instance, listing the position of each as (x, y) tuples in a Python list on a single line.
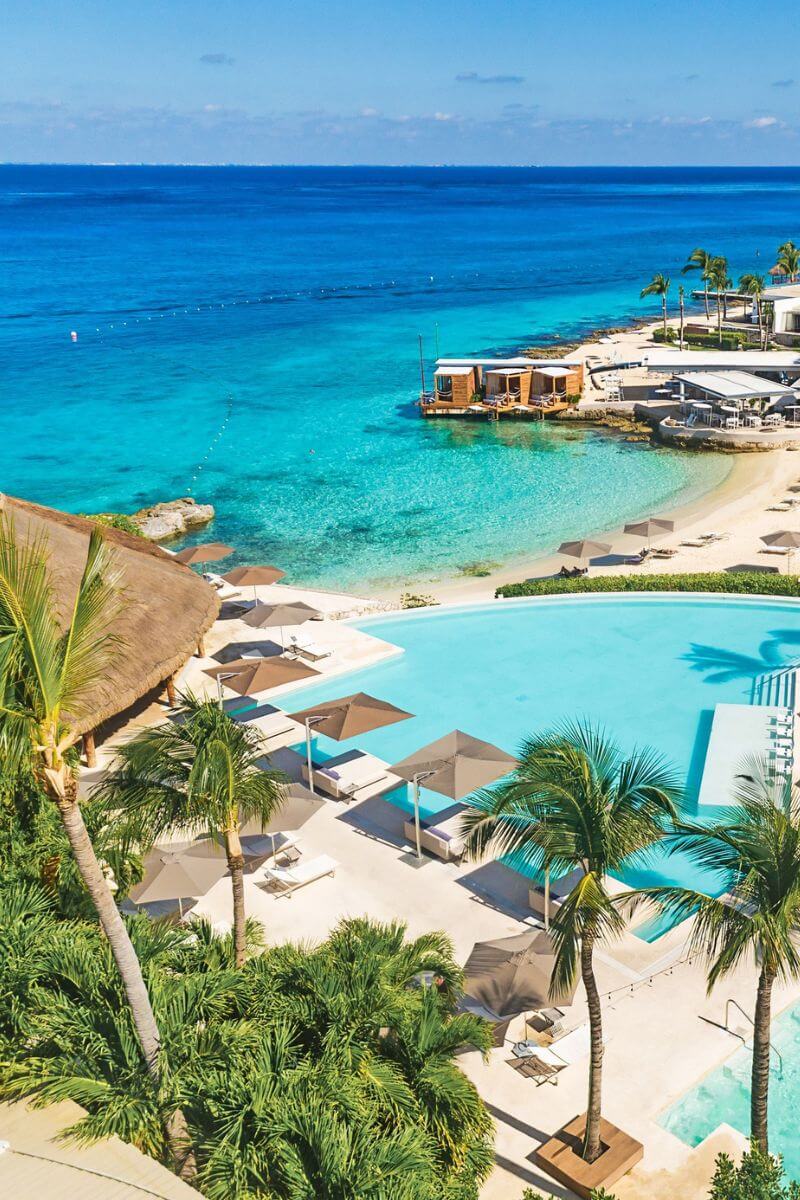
[(649, 669), (724, 1096), (251, 335)]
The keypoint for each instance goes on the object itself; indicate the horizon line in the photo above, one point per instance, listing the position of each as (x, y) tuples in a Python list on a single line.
[(413, 166)]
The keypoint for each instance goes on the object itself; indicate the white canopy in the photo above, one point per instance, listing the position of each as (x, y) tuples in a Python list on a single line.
[(733, 385), (445, 371), (553, 372)]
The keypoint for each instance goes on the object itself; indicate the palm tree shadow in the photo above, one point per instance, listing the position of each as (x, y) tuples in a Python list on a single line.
[(723, 666)]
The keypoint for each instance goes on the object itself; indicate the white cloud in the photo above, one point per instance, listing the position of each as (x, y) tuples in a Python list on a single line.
[(369, 112), (440, 116), (761, 123)]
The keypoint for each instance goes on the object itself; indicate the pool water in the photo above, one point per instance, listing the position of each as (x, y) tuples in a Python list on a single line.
[(724, 1096), (650, 669)]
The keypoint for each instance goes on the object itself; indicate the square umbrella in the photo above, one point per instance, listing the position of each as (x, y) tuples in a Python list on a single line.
[(455, 765), (176, 874), (247, 676), (275, 616), (511, 975), (347, 717)]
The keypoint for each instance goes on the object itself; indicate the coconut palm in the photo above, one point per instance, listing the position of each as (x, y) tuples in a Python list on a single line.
[(203, 772), (658, 286), (700, 260), (753, 285), (576, 803), (48, 670), (720, 281), (681, 294), (755, 850), (789, 260)]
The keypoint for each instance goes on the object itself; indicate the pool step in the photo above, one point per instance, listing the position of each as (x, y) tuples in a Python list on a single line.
[(778, 689)]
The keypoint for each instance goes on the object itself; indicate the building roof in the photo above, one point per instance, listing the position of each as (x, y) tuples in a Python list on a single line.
[(506, 371), (733, 385), (34, 1163), (714, 360), (167, 606), (453, 370), (445, 364), (554, 372)]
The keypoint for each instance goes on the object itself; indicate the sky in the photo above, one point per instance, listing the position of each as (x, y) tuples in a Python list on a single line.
[(491, 82)]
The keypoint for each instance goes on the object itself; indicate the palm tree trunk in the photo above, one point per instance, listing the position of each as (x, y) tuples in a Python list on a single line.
[(664, 311), (124, 954), (233, 849), (705, 298), (719, 319), (759, 1084), (591, 1141), (760, 322)]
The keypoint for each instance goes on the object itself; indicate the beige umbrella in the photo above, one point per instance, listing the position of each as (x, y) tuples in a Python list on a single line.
[(784, 537), (275, 616), (253, 576), (455, 765), (650, 528), (247, 676), (584, 549), (508, 976), (298, 806), (178, 874), (206, 552), (347, 717)]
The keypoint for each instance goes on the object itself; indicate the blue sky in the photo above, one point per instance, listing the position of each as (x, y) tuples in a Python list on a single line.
[(412, 81)]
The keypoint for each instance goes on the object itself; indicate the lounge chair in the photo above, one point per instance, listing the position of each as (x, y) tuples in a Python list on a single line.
[(439, 835), (270, 721), (347, 774), (775, 550), (225, 590), (664, 552), (286, 880), (535, 1068), (305, 647)]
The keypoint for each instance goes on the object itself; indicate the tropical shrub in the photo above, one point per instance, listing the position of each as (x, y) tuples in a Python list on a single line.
[(324, 1074), (757, 1177), (119, 521), (746, 583)]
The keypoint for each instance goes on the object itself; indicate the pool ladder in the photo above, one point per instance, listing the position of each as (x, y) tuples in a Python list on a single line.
[(730, 1001), (778, 688)]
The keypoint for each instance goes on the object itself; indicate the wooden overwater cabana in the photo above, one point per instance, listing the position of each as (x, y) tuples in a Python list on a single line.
[(491, 388), (166, 612)]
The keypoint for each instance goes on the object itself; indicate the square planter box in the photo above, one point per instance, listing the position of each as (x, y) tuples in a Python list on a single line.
[(561, 1158)]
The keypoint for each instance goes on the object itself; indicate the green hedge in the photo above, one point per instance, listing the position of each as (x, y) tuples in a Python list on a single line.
[(731, 339), (737, 582)]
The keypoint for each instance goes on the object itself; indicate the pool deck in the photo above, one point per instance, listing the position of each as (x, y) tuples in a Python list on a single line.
[(750, 730), (663, 1033)]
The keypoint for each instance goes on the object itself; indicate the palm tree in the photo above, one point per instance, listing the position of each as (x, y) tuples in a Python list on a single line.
[(576, 803), (658, 286), (719, 279), (789, 260), (201, 773), (753, 285), (48, 669), (681, 293), (755, 849), (700, 260)]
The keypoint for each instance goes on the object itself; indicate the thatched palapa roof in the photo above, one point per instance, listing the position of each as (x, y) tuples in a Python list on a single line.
[(167, 606)]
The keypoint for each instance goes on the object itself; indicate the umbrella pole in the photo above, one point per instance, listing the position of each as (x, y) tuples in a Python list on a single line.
[(308, 756), (416, 817)]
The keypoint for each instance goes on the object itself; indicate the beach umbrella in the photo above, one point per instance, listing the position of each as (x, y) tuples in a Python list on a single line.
[(206, 552), (784, 537), (177, 874), (253, 576), (298, 806), (650, 528), (454, 766), (247, 676), (275, 616), (584, 549), (511, 975), (347, 717)]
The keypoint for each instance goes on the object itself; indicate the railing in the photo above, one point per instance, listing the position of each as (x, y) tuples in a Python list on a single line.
[(730, 1001), (776, 688)]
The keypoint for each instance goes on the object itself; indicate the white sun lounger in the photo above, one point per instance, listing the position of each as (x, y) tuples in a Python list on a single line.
[(270, 721), (346, 775), (225, 590), (286, 880), (306, 647)]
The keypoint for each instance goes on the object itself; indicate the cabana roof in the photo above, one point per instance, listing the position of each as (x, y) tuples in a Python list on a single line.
[(554, 372), (167, 606), (733, 385), (454, 370)]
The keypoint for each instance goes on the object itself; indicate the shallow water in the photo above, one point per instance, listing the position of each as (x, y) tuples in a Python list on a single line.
[(251, 336)]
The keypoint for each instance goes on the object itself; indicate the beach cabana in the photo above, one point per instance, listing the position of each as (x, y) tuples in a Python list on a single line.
[(557, 382), (456, 385), (166, 613), (507, 385)]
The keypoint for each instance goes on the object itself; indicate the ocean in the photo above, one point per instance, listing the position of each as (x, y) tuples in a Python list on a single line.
[(250, 336)]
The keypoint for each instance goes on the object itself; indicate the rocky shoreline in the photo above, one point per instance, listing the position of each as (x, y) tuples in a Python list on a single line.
[(161, 522)]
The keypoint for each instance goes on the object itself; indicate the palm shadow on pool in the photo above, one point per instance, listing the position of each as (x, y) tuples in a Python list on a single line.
[(724, 666)]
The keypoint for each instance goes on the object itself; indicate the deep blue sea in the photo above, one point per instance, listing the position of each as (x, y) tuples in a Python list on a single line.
[(250, 336)]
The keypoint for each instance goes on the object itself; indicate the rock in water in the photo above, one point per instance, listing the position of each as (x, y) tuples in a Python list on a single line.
[(172, 518)]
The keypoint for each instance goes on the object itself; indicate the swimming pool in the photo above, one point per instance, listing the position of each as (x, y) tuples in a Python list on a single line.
[(724, 1096), (650, 668)]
